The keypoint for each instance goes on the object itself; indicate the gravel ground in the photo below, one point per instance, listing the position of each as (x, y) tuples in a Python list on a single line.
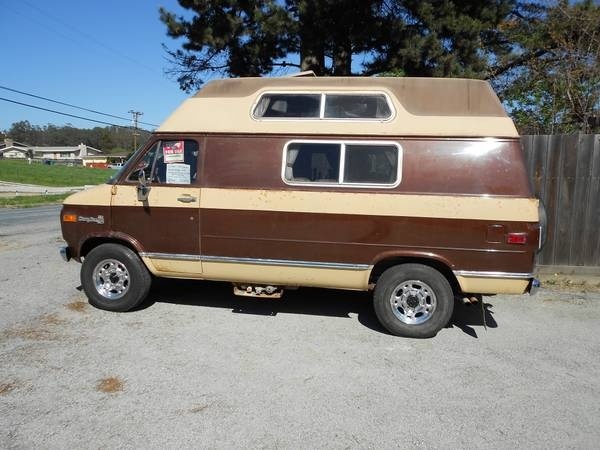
[(197, 367)]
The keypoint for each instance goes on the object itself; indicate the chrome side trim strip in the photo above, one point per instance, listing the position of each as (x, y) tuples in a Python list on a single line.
[(176, 256), (258, 261), (507, 275)]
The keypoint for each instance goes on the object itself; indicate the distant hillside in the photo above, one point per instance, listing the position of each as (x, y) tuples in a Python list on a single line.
[(108, 139)]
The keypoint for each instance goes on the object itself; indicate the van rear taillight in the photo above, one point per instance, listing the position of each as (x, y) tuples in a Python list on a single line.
[(516, 238)]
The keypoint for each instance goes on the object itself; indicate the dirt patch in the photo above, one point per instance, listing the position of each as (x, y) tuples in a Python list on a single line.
[(52, 319), (110, 385), (5, 388), (44, 329), (77, 305), (571, 283)]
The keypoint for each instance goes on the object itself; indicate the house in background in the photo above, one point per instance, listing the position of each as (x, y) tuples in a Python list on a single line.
[(80, 154), (15, 150)]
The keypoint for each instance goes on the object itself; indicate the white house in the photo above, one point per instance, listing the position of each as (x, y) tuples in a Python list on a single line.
[(13, 149), (79, 154)]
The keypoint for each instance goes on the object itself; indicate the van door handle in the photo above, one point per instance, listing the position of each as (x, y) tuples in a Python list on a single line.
[(186, 198)]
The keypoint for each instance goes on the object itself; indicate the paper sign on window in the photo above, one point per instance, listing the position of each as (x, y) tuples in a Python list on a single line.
[(178, 174), (173, 152)]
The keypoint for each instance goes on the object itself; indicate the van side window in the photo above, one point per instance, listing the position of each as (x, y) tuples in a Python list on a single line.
[(169, 162), (363, 163), (361, 106), (316, 162), (288, 105), (375, 164), (350, 106), (176, 162)]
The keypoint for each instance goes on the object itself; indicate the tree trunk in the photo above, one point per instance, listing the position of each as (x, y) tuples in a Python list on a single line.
[(312, 59), (342, 58), (312, 41)]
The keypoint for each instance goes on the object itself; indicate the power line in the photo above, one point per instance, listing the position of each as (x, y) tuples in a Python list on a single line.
[(66, 114), (72, 106)]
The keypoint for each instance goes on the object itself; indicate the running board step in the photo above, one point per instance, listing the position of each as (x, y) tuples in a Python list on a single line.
[(249, 290)]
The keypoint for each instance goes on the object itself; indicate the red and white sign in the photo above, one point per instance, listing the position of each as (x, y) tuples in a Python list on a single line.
[(173, 152)]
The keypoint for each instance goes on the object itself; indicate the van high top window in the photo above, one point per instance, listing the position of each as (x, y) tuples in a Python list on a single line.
[(362, 106)]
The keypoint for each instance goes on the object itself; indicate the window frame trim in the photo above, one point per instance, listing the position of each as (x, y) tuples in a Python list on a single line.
[(124, 179), (343, 143), (323, 94)]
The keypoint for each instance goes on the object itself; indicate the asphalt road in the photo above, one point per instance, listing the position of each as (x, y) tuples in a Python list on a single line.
[(43, 215), (197, 367)]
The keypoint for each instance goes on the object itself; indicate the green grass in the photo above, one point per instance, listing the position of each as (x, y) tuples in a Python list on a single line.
[(26, 201), (55, 175)]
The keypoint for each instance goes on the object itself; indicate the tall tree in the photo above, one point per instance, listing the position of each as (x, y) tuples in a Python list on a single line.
[(551, 81), (251, 38), (442, 37), (236, 38), (413, 37)]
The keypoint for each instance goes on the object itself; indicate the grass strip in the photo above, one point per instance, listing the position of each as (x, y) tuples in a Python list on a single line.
[(16, 171)]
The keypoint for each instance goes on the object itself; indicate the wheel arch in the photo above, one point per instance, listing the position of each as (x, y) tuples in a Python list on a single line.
[(92, 241), (436, 262)]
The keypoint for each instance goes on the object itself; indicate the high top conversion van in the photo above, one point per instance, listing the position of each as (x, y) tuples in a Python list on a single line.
[(414, 188)]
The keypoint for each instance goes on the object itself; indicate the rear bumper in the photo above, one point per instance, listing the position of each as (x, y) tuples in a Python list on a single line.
[(65, 253)]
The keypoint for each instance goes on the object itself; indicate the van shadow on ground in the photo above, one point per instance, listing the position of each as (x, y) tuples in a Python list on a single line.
[(311, 301)]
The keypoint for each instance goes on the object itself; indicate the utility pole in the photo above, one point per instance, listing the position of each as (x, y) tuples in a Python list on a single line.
[(135, 116)]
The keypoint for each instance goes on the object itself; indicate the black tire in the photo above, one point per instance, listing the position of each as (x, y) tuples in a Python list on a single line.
[(114, 278), (422, 302)]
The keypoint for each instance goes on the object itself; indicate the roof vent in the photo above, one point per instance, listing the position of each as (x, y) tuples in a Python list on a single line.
[(306, 73)]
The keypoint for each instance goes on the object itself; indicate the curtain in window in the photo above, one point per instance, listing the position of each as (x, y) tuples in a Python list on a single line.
[(292, 154)]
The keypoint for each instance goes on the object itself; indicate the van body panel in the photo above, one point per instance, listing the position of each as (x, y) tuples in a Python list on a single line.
[(166, 265), (382, 204), (95, 196), (231, 116), (495, 285), (287, 275), (259, 270), (423, 107), (361, 239), (420, 96), (429, 166), (162, 223)]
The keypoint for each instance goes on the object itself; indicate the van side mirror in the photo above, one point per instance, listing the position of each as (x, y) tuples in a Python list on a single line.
[(142, 188)]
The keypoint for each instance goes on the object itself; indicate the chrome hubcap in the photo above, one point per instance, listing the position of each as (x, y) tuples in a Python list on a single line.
[(413, 302), (111, 279)]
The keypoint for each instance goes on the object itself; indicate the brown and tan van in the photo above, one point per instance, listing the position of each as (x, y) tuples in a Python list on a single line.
[(414, 188)]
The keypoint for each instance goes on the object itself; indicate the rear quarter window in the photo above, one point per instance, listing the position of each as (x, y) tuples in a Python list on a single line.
[(347, 163)]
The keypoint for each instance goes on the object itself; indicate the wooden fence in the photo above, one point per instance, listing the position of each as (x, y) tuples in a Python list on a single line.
[(565, 174)]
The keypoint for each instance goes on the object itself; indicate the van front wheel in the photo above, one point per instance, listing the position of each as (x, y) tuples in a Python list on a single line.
[(114, 278), (413, 300)]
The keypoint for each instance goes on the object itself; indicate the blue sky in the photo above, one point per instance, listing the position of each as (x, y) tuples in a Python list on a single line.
[(103, 55)]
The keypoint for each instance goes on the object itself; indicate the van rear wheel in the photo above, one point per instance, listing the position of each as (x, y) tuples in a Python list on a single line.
[(413, 300), (114, 278)]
